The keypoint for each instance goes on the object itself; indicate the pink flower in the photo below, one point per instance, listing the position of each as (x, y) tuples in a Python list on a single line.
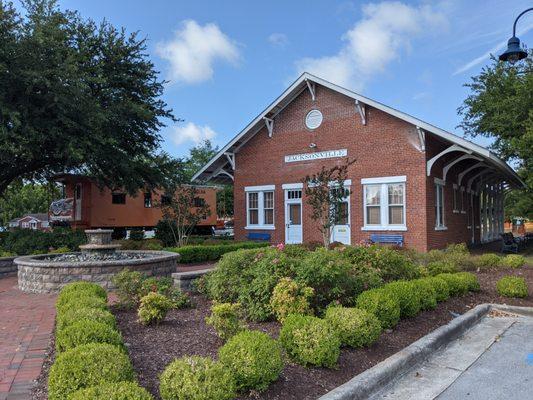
[(281, 246)]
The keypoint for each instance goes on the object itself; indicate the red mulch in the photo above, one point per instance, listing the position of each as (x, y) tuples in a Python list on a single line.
[(184, 332)]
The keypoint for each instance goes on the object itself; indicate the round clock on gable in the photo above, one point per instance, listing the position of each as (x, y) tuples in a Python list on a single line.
[(313, 119)]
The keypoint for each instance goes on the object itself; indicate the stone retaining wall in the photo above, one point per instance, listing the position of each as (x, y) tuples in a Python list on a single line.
[(184, 280), (7, 266), (38, 276)]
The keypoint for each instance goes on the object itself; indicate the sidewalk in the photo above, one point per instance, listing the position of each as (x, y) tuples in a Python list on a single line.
[(26, 324)]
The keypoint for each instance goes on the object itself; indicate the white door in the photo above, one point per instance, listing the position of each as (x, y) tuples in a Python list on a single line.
[(77, 200), (293, 216), (341, 232)]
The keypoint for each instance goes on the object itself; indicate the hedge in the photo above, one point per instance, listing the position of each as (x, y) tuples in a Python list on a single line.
[(113, 391), (512, 286), (203, 253)]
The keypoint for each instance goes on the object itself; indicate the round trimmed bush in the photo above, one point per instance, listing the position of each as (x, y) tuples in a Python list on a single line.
[(513, 261), (310, 340), (428, 295), (382, 304), (442, 292), (290, 297), (457, 286), (83, 286), (113, 391), (488, 260), (85, 366), (226, 319), (153, 308), (407, 296), (512, 286), (470, 280), (86, 300), (196, 378), (355, 327), (84, 332), (441, 267), (254, 359), (73, 315)]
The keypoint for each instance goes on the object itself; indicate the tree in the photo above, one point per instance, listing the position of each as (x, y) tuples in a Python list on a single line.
[(500, 107), (183, 209), (325, 193), (77, 96), (23, 198)]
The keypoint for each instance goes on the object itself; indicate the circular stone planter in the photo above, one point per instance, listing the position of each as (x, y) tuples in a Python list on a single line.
[(36, 274)]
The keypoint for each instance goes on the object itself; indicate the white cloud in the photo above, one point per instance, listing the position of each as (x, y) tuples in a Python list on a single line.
[(192, 133), (193, 51), (385, 30), (278, 39)]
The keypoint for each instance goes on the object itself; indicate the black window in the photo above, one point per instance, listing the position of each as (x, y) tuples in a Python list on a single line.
[(148, 200), (199, 202), (118, 198), (165, 200)]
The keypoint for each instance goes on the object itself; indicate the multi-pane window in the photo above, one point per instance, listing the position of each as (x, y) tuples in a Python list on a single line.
[(439, 206), (455, 198), (260, 208), (118, 198), (341, 210), (384, 203), (148, 200), (199, 202)]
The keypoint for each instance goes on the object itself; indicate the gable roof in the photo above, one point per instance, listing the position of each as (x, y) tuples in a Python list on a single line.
[(221, 162)]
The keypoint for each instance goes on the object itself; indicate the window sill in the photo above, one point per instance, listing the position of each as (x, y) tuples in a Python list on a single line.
[(384, 228), (463, 212), (441, 228), (260, 227)]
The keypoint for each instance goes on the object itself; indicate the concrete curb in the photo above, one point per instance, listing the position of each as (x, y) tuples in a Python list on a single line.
[(524, 311), (370, 381)]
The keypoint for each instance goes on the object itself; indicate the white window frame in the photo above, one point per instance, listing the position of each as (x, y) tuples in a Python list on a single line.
[(455, 199), (442, 184), (464, 202), (260, 190), (384, 203)]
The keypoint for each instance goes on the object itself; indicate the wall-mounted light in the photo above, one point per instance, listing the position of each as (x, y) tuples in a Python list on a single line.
[(312, 145)]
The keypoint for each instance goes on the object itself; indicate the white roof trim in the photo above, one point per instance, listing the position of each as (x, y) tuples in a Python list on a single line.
[(301, 83)]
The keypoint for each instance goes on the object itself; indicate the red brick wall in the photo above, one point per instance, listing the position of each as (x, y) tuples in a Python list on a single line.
[(385, 146)]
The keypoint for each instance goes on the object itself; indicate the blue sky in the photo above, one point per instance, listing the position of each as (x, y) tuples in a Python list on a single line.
[(227, 60)]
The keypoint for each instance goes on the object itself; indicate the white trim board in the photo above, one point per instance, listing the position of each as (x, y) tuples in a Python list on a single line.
[(384, 179), (262, 188)]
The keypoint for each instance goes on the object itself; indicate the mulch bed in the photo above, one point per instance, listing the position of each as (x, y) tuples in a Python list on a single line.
[(184, 332)]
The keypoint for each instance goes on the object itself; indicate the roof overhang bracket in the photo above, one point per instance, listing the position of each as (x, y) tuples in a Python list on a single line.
[(361, 109), (421, 138), (269, 122), (311, 86), (443, 152), (466, 171), (448, 166), (231, 159), (222, 171)]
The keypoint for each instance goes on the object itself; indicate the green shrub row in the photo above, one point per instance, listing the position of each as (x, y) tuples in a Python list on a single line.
[(28, 241), (91, 360), (203, 253)]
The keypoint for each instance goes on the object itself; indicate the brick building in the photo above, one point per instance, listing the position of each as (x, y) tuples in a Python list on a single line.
[(38, 222), (410, 178)]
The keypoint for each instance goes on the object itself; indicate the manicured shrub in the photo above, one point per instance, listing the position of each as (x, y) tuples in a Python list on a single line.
[(153, 308), (512, 286), (76, 314), (84, 332), (457, 286), (226, 319), (470, 280), (513, 261), (128, 286), (442, 292), (355, 327), (289, 297), (85, 366), (488, 260), (407, 296), (161, 285), (254, 359), (178, 298), (80, 300), (382, 304), (310, 340), (427, 294), (390, 264), (113, 391), (441, 267), (29, 241), (84, 286), (202, 253), (196, 377)]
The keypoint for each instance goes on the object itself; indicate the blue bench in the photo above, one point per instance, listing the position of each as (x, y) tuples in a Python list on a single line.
[(258, 236), (387, 239)]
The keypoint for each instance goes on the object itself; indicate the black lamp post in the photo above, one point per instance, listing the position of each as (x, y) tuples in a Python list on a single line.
[(514, 52)]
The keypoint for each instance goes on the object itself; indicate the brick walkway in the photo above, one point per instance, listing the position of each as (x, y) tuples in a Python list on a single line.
[(26, 323)]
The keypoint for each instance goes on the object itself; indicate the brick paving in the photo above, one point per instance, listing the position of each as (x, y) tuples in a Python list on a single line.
[(26, 324)]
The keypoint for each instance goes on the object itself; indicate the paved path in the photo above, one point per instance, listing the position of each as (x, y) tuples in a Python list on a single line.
[(491, 361), (26, 324)]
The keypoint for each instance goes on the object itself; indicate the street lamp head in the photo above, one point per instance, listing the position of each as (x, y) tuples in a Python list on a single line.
[(514, 52)]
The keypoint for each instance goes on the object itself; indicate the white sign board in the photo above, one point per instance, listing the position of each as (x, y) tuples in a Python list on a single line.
[(316, 156)]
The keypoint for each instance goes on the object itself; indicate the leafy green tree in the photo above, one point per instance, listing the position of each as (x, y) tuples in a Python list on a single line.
[(500, 107), (21, 198), (77, 96)]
